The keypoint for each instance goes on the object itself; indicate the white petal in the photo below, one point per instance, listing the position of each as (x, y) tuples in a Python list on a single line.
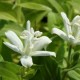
[(28, 25), (14, 39), (43, 53), (32, 31), (41, 43), (60, 33), (76, 20), (71, 39), (67, 23), (77, 42), (76, 25), (26, 61), (78, 36), (24, 34), (37, 33), (13, 47)]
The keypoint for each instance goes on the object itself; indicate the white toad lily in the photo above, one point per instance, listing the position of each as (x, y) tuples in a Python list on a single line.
[(31, 46), (72, 34)]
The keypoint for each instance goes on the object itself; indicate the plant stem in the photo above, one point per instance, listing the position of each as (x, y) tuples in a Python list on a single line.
[(69, 59), (69, 55)]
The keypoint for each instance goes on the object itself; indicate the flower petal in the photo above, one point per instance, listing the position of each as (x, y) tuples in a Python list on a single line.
[(14, 39), (41, 43), (67, 23), (76, 20), (76, 25), (37, 33), (13, 47), (43, 53), (71, 39), (77, 42), (28, 25), (60, 33), (32, 31), (26, 61)]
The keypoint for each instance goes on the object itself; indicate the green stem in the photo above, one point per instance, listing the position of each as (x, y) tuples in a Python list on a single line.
[(69, 59), (23, 69), (69, 55), (64, 75)]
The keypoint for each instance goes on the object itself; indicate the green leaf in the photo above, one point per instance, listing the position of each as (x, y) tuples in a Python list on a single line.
[(7, 1), (5, 73), (1, 58), (9, 71), (74, 75), (47, 68), (35, 6), (10, 66), (7, 16), (77, 70), (53, 20), (75, 4), (56, 5), (11, 26), (40, 16)]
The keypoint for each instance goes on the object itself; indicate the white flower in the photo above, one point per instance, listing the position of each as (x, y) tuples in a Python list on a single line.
[(32, 45), (72, 33)]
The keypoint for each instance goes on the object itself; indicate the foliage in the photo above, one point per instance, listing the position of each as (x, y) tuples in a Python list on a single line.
[(44, 15)]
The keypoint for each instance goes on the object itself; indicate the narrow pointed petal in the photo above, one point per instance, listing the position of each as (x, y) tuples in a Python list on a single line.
[(26, 61), (67, 23), (28, 25), (43, 53), (77, 37), (76, 25), (14, 39), (41, 43), (32, 31), (71, 39), (76, 20), (76, 42), (60, 33), (13, 47)]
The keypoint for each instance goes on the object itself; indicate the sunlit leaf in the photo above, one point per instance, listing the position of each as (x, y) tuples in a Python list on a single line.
[(74, 75), (7, 16), (1, 58), (35, 6)]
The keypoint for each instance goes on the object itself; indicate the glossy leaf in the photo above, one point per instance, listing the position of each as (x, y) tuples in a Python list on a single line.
[(7, 16), (35, 6), (74, 75), (9, 71)]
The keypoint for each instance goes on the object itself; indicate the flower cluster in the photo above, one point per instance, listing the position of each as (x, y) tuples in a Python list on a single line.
[(72, 30), (32, 44)]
